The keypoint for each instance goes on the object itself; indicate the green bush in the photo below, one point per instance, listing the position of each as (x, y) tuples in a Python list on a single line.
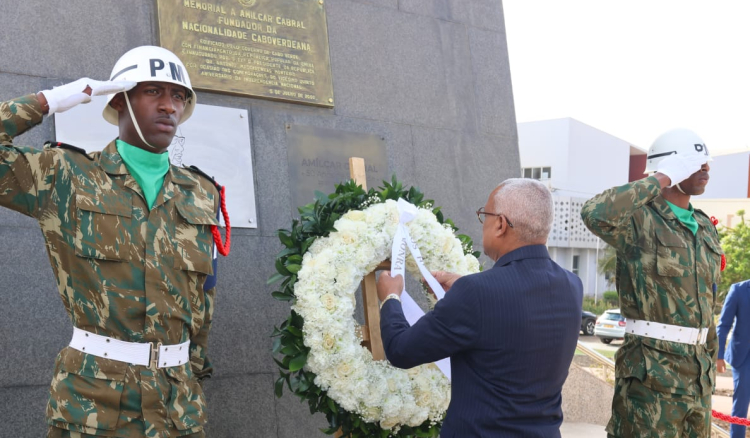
[(598, 308), (612, 298)]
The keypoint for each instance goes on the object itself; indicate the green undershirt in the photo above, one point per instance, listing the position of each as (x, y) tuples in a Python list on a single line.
[(685, 216), (147, 168)]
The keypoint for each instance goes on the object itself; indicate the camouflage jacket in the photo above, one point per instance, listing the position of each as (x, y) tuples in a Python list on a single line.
[(122, 271), (664, 274)]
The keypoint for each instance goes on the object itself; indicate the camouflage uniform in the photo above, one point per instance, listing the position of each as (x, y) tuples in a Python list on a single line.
[(122, 271), (664, 274)]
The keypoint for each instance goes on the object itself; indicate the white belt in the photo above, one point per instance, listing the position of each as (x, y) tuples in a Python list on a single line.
[(146, 354), (666, 332)]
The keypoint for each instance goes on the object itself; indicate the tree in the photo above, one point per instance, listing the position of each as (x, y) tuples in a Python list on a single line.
[(608, 262), (735, 242)]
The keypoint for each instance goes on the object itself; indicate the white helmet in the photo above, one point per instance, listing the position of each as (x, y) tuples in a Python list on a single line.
[(676, 141), (146, 64)]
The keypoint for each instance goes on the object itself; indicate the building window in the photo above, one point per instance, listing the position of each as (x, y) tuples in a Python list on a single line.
[(576, 260), (539, 173)]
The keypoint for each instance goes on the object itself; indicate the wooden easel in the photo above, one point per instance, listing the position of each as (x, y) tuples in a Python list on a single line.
[(371, 330)]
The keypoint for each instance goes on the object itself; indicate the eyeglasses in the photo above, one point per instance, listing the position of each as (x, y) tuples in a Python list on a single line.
[(481, 211)]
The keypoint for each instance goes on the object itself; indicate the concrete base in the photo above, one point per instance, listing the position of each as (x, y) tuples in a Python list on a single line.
[(582, 430), (586, 398)]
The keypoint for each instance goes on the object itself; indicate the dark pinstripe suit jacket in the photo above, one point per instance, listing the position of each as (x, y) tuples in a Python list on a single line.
[(510, 332)]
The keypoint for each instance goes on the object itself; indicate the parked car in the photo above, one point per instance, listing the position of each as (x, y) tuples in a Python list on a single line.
[(610, 326), (588, 321)]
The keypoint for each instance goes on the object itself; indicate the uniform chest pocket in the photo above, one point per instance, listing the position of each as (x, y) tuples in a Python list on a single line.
[(673, 257), (193, 239), (712, 259), (103, 226)]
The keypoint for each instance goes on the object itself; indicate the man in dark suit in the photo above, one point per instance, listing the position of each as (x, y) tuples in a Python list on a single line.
[(510, 331), (736, 308)]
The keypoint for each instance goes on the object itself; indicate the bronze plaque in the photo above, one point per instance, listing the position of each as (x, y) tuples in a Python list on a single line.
[(274, 49), (319, 159)]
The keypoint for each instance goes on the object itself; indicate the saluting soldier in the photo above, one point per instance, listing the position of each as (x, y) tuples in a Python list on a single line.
[(668, 266), (130, 242)]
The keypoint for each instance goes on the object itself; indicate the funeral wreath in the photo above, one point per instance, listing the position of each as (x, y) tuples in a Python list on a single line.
[(339, 239)]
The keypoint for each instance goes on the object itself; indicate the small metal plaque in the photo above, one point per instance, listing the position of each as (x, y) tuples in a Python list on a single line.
[(273, 49), (319, 159)]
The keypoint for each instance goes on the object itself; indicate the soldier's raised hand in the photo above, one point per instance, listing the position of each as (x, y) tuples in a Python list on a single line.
[(65, 97), (679, 167)]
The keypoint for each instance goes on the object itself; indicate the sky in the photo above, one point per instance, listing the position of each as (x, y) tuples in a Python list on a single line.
[(636, 68)]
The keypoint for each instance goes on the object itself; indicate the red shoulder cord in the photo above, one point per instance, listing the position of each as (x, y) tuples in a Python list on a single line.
[(730, 419), (220, 246), (723, 257)]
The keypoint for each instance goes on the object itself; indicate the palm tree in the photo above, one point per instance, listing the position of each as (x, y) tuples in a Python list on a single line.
[(608, 262)]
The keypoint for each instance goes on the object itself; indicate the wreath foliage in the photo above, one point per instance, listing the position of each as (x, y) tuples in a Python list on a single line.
[(317, 220)]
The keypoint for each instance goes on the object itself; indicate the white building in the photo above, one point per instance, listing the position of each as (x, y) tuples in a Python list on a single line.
[(577, 161), (728, 190)]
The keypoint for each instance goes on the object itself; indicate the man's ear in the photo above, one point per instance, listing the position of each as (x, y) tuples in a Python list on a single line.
[(501, 226), (118, 102)]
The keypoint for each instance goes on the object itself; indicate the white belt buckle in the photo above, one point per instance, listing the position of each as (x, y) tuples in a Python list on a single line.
[(153, 361), (704, 335)]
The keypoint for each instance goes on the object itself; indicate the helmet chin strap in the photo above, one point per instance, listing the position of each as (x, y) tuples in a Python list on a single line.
[(680, 189), (138, 128)]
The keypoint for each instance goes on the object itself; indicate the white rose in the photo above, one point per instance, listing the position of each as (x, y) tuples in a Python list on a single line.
[(328, 301)]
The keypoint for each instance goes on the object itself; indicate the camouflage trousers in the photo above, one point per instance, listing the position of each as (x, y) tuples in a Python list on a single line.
[(640, 412), (55, 432)]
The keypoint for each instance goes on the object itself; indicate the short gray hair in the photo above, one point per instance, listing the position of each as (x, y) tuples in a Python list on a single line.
[(528, 205)]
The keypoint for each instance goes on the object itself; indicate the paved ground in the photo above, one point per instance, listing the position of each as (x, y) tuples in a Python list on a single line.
[(595, 343), (581, 430)]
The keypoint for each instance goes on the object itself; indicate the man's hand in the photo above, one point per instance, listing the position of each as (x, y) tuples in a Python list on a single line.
[(678, 167), (389, 285), (65, 97), (446, 280), (721, 366)]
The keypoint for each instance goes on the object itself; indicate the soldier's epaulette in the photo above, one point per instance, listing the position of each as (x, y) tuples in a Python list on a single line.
[(69, 147), (701, 212), (195, 169)]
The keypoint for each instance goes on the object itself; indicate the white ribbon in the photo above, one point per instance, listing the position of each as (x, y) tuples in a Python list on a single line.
[(401, 242)]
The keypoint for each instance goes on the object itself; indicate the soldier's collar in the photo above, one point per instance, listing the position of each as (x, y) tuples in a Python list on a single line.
[(111, 161), (182, 176), (661, 207)]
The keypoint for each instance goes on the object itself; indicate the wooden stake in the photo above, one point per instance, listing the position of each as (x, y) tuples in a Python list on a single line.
[(371, 330)]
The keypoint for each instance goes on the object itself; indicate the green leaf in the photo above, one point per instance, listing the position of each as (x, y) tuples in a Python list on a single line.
[(281, 269), (286, 251), (332, 405), (274, 278), (279, 386), (276, 345), (286, 239), (290, 350), (281, 296), (281, 365), (306, 244), (295, 331), (294, 268), (298, 362)]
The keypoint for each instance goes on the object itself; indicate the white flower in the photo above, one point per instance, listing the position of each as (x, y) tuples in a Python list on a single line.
[(325, 290)]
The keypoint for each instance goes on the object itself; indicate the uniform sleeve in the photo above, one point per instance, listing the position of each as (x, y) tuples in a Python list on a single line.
[(26, 174), (453, 326), (609, 214), (199, 360), (728, 313)]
